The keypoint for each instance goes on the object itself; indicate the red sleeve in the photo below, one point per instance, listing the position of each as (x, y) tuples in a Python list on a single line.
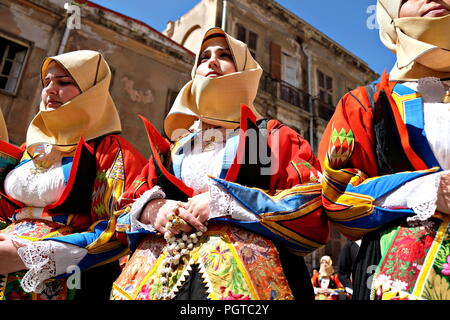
[(353, 114), (295, 162)]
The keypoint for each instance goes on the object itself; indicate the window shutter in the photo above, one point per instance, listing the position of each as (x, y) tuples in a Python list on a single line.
[(275, 61), (241, 33)]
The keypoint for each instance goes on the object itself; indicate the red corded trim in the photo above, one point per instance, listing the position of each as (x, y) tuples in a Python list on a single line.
[(156, 140), (94, 5), (16, 202)]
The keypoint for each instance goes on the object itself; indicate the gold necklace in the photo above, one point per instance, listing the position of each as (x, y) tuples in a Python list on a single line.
[(446, 98)]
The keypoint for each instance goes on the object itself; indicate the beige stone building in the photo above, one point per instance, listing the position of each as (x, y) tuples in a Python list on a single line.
[(148, 68), (305, 75)]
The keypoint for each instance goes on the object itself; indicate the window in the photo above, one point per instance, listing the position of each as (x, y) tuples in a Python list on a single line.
[(325, 102), (13, 56), (289, 68), (241, 33), (325, 87), (275, 61), (248, 37)]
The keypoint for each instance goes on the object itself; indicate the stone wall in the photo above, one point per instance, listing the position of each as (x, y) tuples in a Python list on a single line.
[(147, 66)]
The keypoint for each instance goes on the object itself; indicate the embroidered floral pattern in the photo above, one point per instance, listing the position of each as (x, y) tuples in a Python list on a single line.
[(37, 229), (54, 290), (417, 265), (139, 265), (216, 258), (437, 286), (446, 267), (407, 253), (232, 296), (250, 253), (234, 264), (389, 289)]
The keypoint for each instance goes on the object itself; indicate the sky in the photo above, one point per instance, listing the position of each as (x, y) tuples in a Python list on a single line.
[(350, 23)]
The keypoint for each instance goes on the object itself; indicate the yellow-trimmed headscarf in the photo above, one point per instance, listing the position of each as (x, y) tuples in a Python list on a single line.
[(422, 44), (91, 114), (216, 101)]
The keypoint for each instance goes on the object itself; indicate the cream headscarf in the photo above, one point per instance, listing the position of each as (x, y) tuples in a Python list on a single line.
[(91, 114), (326, 266), (216, 101), (422, 44)]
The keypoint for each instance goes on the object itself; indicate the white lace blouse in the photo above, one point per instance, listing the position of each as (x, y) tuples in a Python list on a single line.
[(421, 194)]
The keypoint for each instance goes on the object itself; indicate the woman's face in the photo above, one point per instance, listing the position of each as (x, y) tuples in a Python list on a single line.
[(424, 8), (59, 87), (215, 59), (325, 262)]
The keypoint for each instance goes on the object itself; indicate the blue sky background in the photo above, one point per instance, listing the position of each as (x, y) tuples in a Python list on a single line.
[(345, 21)]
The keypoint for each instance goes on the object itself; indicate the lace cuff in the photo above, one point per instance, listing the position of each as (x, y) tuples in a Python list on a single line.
[(419, 194), (45, 260), (139, 204), (223, 204)]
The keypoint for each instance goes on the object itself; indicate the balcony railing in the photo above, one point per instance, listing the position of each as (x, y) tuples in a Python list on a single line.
[(268, 84), (324, 110), (295, 96)]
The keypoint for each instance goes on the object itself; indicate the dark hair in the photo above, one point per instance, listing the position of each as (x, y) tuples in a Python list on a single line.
[(214, 35)]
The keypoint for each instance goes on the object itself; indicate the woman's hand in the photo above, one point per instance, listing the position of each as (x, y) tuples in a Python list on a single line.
[(196, 211), (443, 196), (10, 260), (157, 213)]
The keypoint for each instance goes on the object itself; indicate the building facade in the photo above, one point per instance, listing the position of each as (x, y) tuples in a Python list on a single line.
[(148, 68), (305, 72)]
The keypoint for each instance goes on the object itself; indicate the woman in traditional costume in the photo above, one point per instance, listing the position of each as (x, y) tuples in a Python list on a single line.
[(385, 160), (58, 201), (326, 282), (211, 205)]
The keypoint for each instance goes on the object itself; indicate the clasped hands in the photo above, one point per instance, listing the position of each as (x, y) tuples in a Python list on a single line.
[(190, 215)]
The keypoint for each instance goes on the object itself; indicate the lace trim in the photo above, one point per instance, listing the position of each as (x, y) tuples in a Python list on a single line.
[(419, 194), (198, 164), (425, 208), (223, 203), (45, 260), (432, 89), (220, 203), (139, 204), (37, 257)]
